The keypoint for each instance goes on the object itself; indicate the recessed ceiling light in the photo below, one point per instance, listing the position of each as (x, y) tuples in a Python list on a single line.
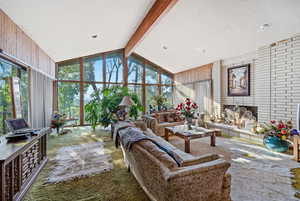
[(95, 36), (165, 47), (264, 26), (200, 50)]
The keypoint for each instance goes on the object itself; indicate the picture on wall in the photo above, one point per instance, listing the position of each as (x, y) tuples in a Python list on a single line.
[(239, 80)]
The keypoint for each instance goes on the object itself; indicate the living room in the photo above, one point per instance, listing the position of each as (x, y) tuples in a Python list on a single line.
[(165, 100)]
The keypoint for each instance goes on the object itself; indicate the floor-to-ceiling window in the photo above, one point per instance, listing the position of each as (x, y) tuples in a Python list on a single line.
[(148, 80), (78, 79), (8, 109)]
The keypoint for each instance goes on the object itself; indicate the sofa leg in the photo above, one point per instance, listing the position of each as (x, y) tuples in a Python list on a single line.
[(128, 168)]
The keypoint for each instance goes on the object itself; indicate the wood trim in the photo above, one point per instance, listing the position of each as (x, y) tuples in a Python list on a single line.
[(81, 80), (159, 9), (125, 70), (195, 68), (11, 89), (91, 55), (104, 70), (30, 95), (153, 64), (144, 87), (159, 81), (81, 92), (13, 60)]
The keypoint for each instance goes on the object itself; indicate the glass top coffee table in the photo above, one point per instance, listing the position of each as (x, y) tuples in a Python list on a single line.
[(196, 132)]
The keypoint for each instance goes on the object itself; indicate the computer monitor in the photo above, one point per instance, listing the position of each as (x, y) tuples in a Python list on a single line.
[(16, 124)]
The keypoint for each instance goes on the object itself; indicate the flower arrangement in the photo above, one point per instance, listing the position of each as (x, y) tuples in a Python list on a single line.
[(187, 108), (57, 120), (280, 129)]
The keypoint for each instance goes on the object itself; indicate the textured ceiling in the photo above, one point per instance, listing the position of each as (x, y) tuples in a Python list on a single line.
[(198, 32), (63, 28), (193, 33)]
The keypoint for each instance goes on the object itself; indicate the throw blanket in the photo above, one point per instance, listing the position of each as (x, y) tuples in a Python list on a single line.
[(132, 135), (119, 126)]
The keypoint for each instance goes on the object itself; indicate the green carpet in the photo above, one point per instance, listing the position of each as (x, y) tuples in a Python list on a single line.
[(115, 185)]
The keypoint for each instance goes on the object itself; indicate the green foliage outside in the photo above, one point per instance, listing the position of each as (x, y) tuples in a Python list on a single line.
[(103, 111), (69, 92), (8, 70)]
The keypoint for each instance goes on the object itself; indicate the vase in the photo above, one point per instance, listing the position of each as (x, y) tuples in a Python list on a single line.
[(159, 108), (189, 122), (276, 144)]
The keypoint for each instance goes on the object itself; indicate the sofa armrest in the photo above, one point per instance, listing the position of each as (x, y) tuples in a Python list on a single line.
[(148, 117), (204, 181), (198, 169), (200, 159)]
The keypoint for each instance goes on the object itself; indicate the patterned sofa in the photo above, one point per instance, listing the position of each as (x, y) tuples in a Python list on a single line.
[(158, 121), (195, 179)]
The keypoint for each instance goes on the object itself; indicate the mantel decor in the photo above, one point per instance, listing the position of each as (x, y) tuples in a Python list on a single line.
[(239, 80)]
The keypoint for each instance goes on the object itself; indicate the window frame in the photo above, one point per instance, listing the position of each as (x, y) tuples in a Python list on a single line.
[(144, 62)]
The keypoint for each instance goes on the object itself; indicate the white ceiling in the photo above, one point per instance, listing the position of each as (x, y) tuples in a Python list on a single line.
[(195, 32), (63, 28), (222, 28)]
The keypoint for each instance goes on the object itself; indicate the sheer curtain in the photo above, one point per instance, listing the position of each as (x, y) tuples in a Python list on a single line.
[(41, 100), (203, 96), (200, 92)]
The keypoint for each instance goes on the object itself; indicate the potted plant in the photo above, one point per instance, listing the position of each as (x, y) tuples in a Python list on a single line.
[(57, 120), (159, 101), (187, 109), (277, 133), (109, 104), (92, 110)]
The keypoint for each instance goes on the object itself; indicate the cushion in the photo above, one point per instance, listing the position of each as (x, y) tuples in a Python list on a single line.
[(159, 154)]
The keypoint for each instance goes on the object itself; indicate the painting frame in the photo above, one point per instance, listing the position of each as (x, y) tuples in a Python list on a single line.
[(232, 71)]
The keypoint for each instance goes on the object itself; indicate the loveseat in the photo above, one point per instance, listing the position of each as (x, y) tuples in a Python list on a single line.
[(201, 178), (158, 121)]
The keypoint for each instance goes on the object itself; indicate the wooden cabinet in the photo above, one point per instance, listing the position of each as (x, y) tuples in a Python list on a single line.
[(20, 164)]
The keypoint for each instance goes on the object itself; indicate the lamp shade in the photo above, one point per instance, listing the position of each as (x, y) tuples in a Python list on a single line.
[(126, 101)]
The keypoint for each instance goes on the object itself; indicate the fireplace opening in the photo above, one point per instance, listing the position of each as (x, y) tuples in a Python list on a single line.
[(240, 115)]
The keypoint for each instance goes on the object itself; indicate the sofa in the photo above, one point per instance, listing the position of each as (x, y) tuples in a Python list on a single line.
[(159, 121), (201, 178)]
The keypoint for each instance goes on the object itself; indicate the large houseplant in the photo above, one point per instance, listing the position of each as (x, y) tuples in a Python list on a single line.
[(109, 104), (103, 110), (92, 109), (159, 101)]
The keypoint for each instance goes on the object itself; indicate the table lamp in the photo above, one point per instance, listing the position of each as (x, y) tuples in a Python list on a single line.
[(126, 103)]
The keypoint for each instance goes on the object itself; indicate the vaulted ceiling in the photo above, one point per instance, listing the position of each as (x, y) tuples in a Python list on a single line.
[(192, 33)]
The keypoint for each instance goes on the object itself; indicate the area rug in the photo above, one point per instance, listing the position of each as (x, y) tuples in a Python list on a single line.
[(79, 161), (257, 173)]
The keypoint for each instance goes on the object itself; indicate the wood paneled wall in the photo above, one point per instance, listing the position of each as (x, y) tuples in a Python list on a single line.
[(15, 42), (194, 74)]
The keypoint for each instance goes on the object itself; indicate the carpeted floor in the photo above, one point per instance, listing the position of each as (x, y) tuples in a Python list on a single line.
[(258, 174), (79, 161), (114, 185)]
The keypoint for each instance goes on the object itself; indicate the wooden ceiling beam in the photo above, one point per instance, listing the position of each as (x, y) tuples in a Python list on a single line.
[(159, 9)]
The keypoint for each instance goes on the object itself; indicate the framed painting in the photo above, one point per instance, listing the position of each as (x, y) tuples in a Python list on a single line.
[(239, 80)]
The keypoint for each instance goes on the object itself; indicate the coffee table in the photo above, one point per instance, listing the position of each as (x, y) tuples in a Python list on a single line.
[(188, 135)]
